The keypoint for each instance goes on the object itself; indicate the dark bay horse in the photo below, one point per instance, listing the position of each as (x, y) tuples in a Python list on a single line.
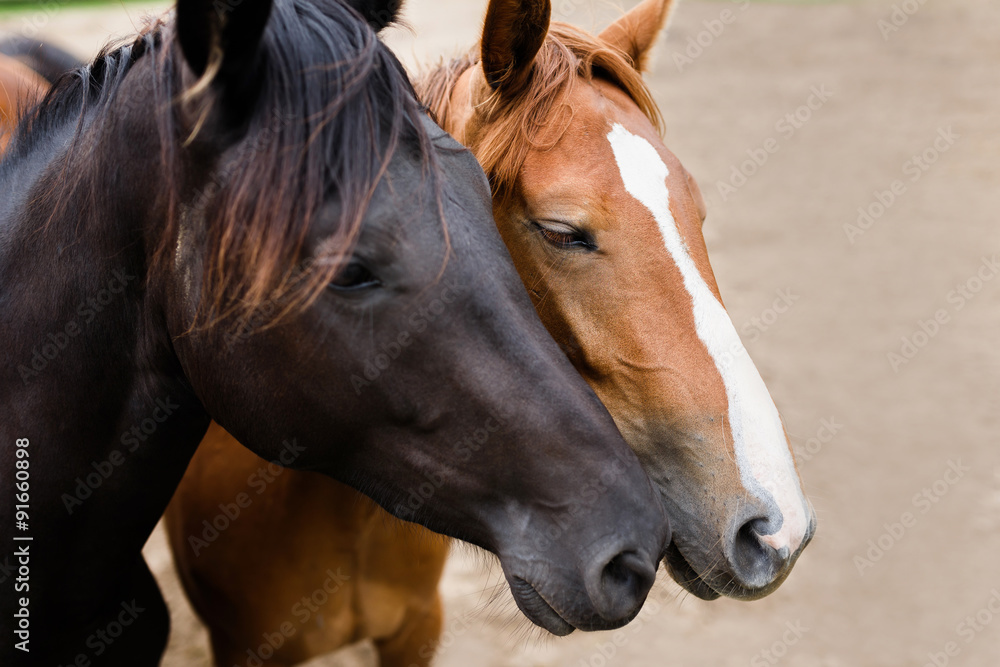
[(616, 264), (246, 163)]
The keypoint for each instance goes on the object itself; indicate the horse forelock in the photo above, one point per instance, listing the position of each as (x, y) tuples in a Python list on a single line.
[(513, 122), (334, 104)]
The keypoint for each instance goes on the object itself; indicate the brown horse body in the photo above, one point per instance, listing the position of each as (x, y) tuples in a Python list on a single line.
[(20, 88), (321, 565), (592, 254)]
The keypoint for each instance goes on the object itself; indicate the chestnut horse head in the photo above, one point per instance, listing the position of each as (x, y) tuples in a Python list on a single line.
[(605, 228)]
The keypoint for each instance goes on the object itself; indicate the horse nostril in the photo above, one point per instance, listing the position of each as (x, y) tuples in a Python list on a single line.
[(622, 585), (757, 560)]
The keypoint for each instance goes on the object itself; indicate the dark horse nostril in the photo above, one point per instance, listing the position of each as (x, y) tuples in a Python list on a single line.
[(624, 582), (754, 562)]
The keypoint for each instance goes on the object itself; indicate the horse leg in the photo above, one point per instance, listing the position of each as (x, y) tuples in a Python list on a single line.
[(226, 653), (415, 642), (135, 628)]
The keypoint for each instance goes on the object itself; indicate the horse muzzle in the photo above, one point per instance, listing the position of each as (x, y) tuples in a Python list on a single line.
[(750, 567), (606, 594)]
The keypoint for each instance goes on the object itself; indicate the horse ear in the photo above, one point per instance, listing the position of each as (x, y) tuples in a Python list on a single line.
[(513, 33), (635, 33), (379, 13), (221, 39)]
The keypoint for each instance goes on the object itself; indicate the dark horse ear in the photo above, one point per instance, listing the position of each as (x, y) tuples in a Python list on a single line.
[(513, 33), (221, 39), (378, 13)]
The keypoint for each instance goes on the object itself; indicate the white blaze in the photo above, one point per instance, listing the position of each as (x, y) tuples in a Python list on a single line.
[(762, 452)]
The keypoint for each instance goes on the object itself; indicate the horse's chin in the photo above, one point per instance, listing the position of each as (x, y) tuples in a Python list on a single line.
[(712, 588), (538, 611), (686, 576)]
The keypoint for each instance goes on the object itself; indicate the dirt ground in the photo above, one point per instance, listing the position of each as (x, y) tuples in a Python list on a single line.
[(876, 434)]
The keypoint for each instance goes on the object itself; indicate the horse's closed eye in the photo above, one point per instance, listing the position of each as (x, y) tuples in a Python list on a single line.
[(355, 276), (566, 238)]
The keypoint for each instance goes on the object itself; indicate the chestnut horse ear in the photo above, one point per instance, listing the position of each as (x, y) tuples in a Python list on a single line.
[(636, 32), (220, 40), (513, 33), (379, 13)]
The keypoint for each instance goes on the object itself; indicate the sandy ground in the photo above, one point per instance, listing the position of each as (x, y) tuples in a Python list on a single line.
[(871, 438)]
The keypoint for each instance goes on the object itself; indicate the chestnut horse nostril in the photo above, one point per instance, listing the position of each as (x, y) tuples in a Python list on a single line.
[(756, 562), (622, 585)]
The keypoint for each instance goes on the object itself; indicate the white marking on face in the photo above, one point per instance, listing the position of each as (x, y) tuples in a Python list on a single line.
[(759, 441)]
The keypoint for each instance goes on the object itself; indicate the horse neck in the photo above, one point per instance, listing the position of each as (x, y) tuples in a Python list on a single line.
[(92, 380)]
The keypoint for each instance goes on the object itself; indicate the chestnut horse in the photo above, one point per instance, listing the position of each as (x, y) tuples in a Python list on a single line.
[(20, 89), (47, 60), (604, 225), (253, 157)]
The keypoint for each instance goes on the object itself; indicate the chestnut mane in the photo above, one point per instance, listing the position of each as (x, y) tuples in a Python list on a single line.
[(513, 121)]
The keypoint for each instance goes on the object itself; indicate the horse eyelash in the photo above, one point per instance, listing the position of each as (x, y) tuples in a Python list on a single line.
[(578, 239)]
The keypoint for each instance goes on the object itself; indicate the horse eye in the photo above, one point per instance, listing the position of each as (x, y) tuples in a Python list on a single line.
[(355, 276), (566, 239)]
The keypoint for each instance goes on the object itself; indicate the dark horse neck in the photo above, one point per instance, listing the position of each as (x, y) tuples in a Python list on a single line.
[(95, 389)]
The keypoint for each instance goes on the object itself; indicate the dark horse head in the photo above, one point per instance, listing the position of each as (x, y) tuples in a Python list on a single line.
[(244, 214)]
